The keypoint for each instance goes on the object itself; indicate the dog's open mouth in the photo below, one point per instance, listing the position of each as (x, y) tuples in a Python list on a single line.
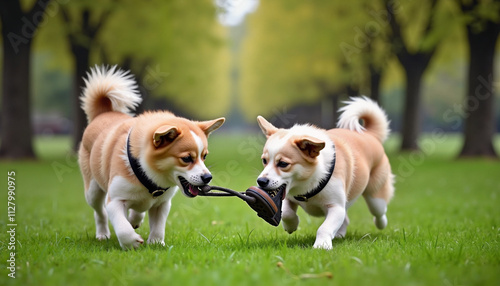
[(189, 189), (277, 194)]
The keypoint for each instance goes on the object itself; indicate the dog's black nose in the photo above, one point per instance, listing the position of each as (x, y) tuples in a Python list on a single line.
[(263, 182), (206, 178)]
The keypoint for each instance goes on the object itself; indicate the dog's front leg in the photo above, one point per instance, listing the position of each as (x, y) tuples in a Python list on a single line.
[(135, 218), (117, 212), (157, 219), (326, 232), (290, 217)]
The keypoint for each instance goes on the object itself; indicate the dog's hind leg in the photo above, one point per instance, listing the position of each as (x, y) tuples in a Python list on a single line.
[(379, 192), (95, 198), (377, 202), (378, 208)]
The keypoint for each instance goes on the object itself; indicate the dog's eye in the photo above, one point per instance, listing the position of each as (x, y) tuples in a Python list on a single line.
[(187, 159), (264, 161), (282, 164), (205, 157)]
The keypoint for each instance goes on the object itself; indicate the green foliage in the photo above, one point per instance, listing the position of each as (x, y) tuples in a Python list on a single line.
[(177, 50), (182, 42), (296, 51), (288, 53), (443, 228)]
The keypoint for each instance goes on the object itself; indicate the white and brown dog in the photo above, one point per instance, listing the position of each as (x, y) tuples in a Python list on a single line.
[(325, 171), (131, 165)]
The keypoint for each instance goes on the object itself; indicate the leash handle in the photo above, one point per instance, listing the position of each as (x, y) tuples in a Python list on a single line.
[(205, 191)]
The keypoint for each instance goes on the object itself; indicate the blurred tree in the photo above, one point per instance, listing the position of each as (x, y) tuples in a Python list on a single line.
[(414, 42), (299, 52), (18, 30), (50, 98), (482, 23), (83, 21), (176, 50)]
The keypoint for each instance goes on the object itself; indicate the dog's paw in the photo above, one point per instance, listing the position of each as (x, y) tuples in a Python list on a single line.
[(340, 235), (323, 244), (290, 223), (289, 228), (135, 219), (380, 222), (153, 240), (102, 236), (130, 241)]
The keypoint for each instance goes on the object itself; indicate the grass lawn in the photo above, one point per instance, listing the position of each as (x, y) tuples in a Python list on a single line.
[(444, 228)]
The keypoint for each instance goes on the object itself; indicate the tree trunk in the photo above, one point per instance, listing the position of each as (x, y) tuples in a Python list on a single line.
[(18, 29), (411, 114), (375, 77), (414, 63), (479, 107), (16, 132), (81, 54)]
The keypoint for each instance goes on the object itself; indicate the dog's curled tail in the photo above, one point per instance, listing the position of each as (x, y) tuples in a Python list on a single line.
[(109, 89), (366, 110)]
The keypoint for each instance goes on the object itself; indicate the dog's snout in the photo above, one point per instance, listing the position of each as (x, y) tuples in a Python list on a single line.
[(263, 182), (206, 178)]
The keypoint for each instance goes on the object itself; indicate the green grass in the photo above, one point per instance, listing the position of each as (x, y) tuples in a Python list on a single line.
[(444, 228)]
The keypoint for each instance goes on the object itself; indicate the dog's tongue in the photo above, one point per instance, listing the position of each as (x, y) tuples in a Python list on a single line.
[(194, 190)]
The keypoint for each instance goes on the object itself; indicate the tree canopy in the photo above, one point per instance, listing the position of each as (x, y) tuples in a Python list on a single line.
[(177, 50)]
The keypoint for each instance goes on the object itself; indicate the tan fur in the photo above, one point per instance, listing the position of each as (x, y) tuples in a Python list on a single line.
[(362, 161), (361, 168), (158, 140)]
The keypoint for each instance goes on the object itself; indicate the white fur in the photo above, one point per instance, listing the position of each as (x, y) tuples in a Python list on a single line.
[(362, 107), (294, 187), (193, 176), (117, 85), (127, 196), (95, 198), (378, 208), (331, 202)]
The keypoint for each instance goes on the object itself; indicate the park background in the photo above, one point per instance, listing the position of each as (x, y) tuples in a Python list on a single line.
[(430, 64)]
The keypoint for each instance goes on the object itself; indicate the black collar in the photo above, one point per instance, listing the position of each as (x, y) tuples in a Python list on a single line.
[(322, 184), (153, 188)]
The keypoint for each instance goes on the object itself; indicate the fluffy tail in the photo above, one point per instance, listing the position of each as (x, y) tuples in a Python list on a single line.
[(373, 117), (109, 90)]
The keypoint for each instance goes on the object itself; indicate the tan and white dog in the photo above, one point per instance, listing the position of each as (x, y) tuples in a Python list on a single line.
[(325, 171), (131, 165)]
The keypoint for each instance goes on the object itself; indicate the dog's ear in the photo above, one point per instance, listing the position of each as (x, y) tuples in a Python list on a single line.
[(309, 146), (164, 135), (267, 128), (211, 125)]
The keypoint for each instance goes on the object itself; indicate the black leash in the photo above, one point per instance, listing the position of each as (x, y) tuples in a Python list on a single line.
[(206, 192), (267, 207)]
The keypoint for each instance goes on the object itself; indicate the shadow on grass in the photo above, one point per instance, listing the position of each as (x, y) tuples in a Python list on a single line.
[(271, 241)]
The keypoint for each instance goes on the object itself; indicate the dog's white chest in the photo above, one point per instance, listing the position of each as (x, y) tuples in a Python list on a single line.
[(135, 197)]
